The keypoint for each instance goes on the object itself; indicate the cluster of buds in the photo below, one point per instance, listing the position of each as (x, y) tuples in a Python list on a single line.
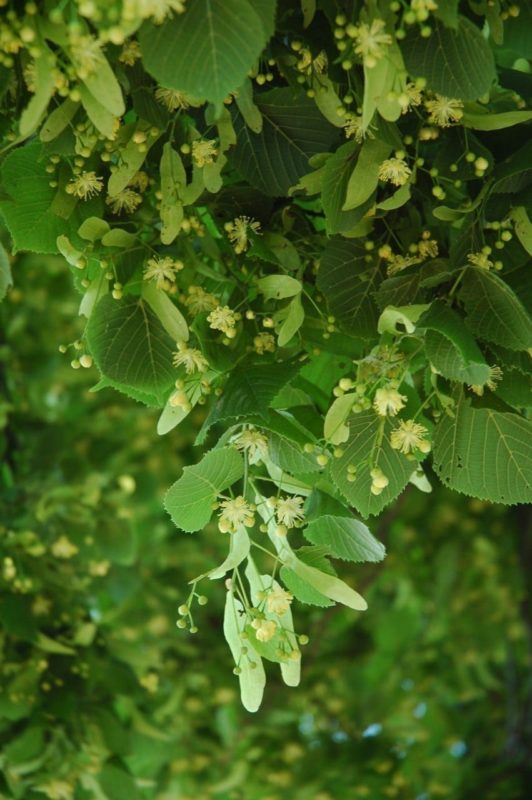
[(185, 611)]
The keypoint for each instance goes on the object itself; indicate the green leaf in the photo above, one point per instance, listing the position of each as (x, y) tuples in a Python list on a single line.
[(173, 181), (363, 451), (116, 783), (308, 9), (130, 346), (447, 11), (328, 585), (239, 546), (516, 388), (485, 453), (6, 279), (489, 121), (347, 283), (301, 589), (248, 392), (117, 237), (334, 428), (103, 85), (346, 538), (493, 311), (32, 214), (365, 176), (44, 88), (397, 199), (171, 417), (278, 287), (291, 671), (150, 399), (451, 348), (53, 646), (335, 176), (523, 227), (189, 500), (379, 82), (293, 130), (290, 456), (167, 313), (252, 681), (294, 316), (103, 120), (207, 51), (455, 63), (131, 159), (93, 228), (57, 120), (405, 316), (248, 109)]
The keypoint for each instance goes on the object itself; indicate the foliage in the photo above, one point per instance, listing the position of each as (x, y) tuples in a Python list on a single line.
[(102, 698), (188, 160)]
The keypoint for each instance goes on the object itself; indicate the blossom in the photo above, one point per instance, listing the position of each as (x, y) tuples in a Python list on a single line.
[(264, 343), (480, 260), (495, 375), (409, 436), (353, 128), (388, 401), (397, 263), (140, 181), (289, 511), (254, 443), (427, 247), (238, 232), (444, 110), (370, 41), (57, 789), (278, 601), (180, 399), (157, 10), (234, 513), (85, 185), (63, 548), (394, 170), (162, 270), (410, 98), (204, 152), (86, 54), (172, 98), (127, 200), (223, 319), (264, 629), (199, 300), (130, 53), (190, 358)]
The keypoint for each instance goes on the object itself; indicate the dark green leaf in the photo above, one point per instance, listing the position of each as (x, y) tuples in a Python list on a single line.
[(485, 453), (362, 452), (293, 130), (455, 62), (346, 538), (451, 348), (348, 285), (493, 311), (130, 345), (208, 50)]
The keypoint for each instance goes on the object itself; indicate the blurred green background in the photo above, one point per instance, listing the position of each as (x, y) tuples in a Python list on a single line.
[(425, 696)]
